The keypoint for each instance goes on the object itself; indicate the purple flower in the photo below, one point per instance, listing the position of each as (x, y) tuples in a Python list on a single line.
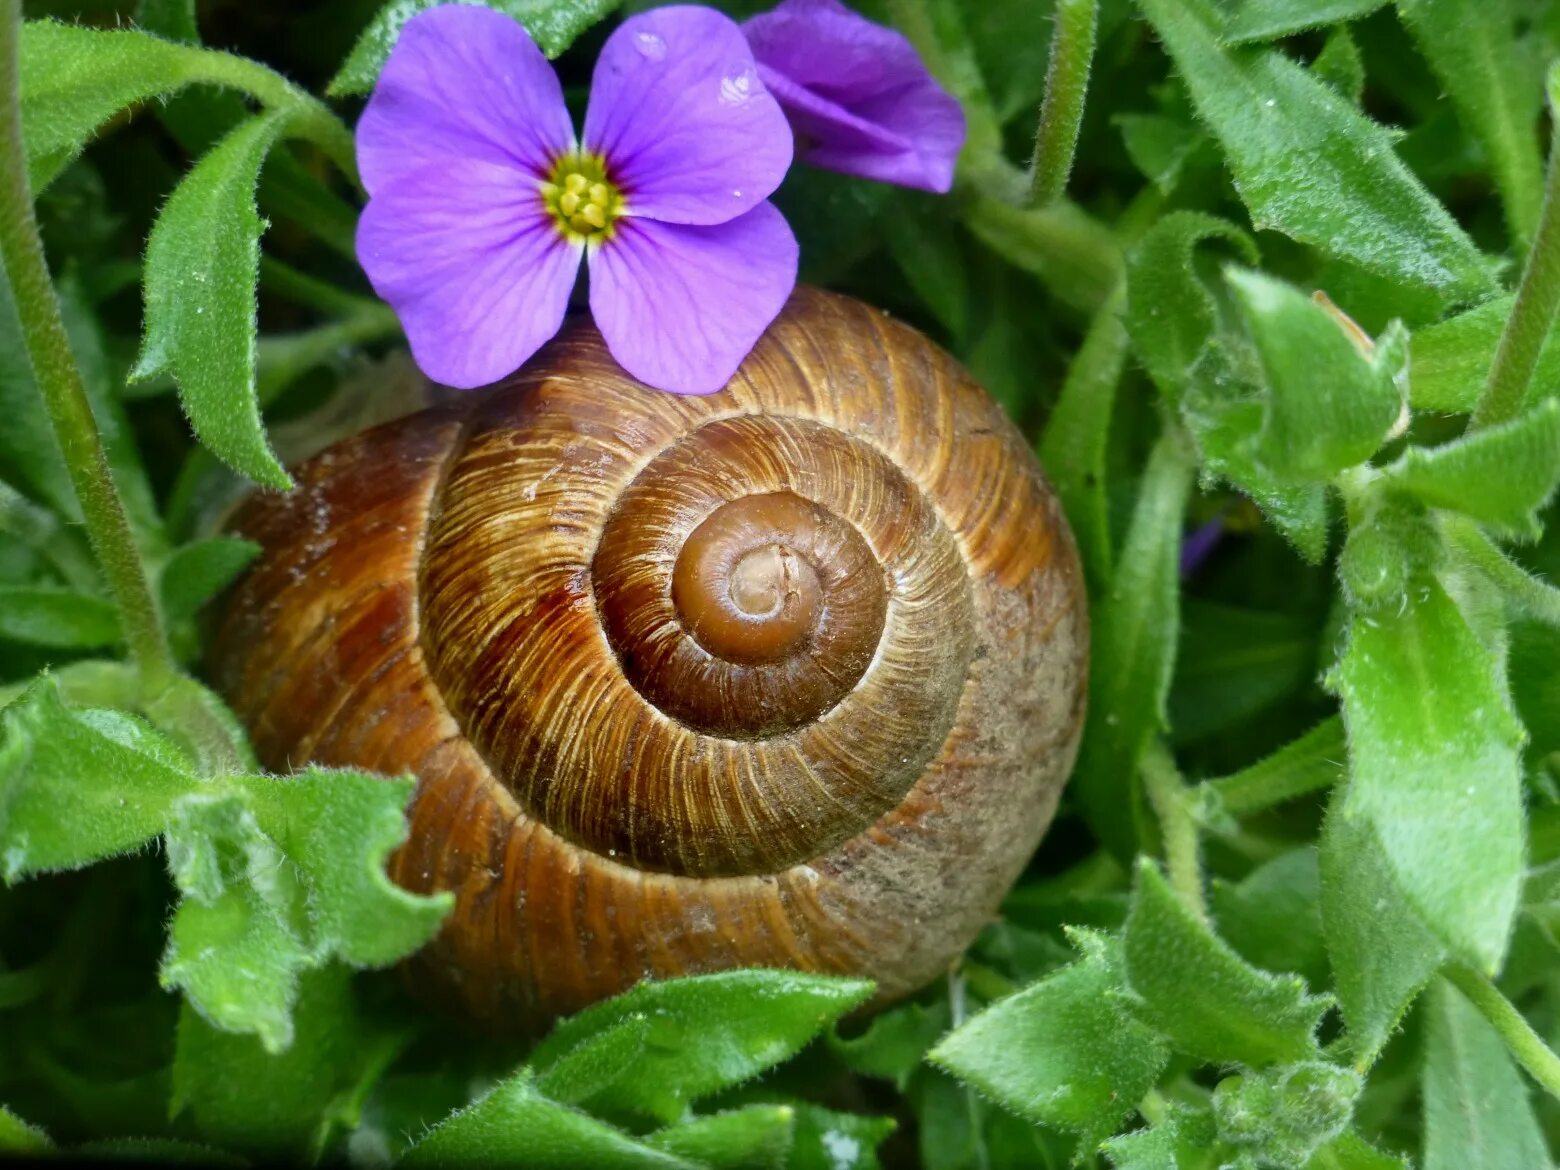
[(482, 203), (857, 95)]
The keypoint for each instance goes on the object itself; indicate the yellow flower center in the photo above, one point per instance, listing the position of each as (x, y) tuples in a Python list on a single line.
[(582, 199)]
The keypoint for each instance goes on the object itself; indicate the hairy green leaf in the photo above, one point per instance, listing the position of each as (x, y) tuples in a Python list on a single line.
[(758, 1137), (1477, 1111), (1272, 917), (707, 1033), (1310, 165), (1209, 1001), (1500, 475), (553, 24), (829, 1140), (202, 263), (47, 616), (1268, 20), (196, 573), (1279, 1117), (1064, 1051), (1435, 767)]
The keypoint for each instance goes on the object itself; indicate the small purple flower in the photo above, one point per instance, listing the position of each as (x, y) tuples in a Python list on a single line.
[(857, 95), (482, 202)]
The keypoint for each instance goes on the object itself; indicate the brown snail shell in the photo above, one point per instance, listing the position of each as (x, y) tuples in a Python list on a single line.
[(789, 675)]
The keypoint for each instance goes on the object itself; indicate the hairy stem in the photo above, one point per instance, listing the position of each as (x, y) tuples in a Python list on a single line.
[(1524, 1043), (1061, 111), (1172, 804), (59, 380), (1524, 593), (1533, 315)]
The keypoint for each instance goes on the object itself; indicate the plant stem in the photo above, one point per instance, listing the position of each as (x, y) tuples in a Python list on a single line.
[(1315, 761), (1172, 803), (1524, 1043), (1061, 111), (59, 380), (302, 289), (1533, 315), (1523, 592)]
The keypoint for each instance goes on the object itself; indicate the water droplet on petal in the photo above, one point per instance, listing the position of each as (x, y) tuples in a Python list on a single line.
[(650, 45), (736, 192), (737, 89)]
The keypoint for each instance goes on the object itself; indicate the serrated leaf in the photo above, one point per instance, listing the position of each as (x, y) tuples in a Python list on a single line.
[(1435, 768), (74, 79), (202, 264), (17, 1137), (47, 616), (1184, 1140), (1500, 475), (1382, 953), (79, 786), (1476, 1106), (553, 25), (1327, 405), (1064, 1051), (514, 1125), (234, 945), (1308, 164), (1204, 997), (278, 1107), (757, 1137), (197, 572), (1270, 20), (1135, 630), (338, 828), (707, 1033), (1497, 88)]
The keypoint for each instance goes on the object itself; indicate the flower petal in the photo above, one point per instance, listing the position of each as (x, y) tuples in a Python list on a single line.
[(688, 131), (462, 83), (473, 264), (680, 305), (858, 95)]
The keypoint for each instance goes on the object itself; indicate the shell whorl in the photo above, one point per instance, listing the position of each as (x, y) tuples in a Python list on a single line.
[(788, 675)]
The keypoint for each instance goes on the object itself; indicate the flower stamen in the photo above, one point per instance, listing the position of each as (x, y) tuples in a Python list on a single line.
[(582, 199)]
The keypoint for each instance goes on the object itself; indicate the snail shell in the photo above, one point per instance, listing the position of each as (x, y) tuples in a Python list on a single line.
[(789, 675)]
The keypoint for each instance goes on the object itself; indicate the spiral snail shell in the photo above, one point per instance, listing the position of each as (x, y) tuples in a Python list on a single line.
[(790, 675)]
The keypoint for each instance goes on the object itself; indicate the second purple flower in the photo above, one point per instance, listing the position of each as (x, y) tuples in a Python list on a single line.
[(483, 203)]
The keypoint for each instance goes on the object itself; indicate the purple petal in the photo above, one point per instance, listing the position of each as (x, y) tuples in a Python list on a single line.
[(462, 83), (473, 264), (681, 305), (687, 128), (857, 94)]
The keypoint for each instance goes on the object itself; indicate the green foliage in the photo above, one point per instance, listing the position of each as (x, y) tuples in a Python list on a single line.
[(1291, 259)]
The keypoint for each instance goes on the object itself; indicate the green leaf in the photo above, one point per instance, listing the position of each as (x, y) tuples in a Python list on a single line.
[(1160, 146), (1208, 1000), (1382, 952), (1476, 1106), (74, 79), (1328, 406), (1340, 66), (1314, 761), (79, 786), (17, 1137), (338, 828), (1435, 767), (278, 1107), (1074, 446), (1451, 360), (1500, 475), (1496, 86), (827, 1140), (202, 263), (553, 24), (1281, 1116), (1272, 917), (196, 573), (1065, 1051), (1171, 316), (1269, 20), (1308, 164), (1350, 1152), (894, 1043), (514, 1125), (65, 618), (1184, 1140), (757, 1137), (1135, 629), (707, 1033), (596, 1063), (234, 946)]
